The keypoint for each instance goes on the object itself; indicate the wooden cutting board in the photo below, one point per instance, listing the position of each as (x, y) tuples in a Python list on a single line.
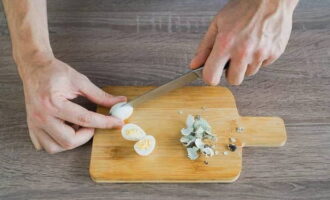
[(113, 159)]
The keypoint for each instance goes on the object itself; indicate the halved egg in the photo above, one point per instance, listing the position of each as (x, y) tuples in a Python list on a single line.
[(145, 146), (132, 132), (121, 110)]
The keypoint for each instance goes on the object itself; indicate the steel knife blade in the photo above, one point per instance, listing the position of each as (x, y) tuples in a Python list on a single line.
[(167, 87)]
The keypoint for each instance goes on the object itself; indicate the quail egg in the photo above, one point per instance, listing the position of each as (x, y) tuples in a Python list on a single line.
[(132, 132), (145, 146), (121, 111)]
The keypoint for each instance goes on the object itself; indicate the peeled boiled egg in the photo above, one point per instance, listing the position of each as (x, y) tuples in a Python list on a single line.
[(145, 146), (132, 132), (121, 110)]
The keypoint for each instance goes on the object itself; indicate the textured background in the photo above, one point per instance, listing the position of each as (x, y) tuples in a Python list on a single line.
[(127, 42)]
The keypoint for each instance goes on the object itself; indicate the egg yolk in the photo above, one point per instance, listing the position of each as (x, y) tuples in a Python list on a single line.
[(144, 144), (132, 131)]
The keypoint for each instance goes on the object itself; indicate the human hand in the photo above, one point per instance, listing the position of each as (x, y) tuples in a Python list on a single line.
[(249, 34), (49, 85)]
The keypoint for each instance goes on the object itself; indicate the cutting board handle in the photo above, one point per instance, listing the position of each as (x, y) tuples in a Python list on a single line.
[(262, 131)]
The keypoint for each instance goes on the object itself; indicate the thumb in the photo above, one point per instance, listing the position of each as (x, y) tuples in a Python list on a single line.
[(97, 95), (205, 47)]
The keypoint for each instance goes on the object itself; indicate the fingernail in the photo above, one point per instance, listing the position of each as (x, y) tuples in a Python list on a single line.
[(122, 98), (116, 123), (119, 122)]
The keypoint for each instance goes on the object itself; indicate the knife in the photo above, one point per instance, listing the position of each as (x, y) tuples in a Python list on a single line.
[(169, 86)]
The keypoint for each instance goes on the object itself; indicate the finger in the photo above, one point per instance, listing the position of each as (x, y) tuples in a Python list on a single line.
[(270, 60), (34, 140), (236, 71), (256, 63), (97, 95), (253, 68), (48, 143), (76, 114), (215, 63), (205, 47), (62, 133), (84, 135), (74, 126), (66, 136)]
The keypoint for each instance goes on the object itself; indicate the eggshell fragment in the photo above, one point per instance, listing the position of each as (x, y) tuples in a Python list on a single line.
[(121, 111), (190, 121), (145, 146), (132, 132)]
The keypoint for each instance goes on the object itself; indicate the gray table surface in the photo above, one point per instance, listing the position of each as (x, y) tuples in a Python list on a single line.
[(150, 42)]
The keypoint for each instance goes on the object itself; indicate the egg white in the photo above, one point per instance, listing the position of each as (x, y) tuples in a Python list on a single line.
[(145, 146), (132, 132), (121, 111)]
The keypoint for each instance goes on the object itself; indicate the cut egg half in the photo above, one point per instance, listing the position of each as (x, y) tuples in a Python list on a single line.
[(145, 146), (132, 132)]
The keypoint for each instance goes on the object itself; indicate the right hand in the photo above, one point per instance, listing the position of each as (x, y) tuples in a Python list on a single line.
[(49, 85), (249, 34)]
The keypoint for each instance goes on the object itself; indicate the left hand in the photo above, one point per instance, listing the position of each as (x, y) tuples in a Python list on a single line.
[(249, 34)]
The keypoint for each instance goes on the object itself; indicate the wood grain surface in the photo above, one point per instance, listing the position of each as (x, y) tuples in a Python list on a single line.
[(117, 42), (113, 158)]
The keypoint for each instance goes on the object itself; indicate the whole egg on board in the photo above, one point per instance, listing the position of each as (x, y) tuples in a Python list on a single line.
[(121, 110)]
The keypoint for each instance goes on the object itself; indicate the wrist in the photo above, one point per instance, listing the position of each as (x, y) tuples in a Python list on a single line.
[(28, 62), (25, 51)]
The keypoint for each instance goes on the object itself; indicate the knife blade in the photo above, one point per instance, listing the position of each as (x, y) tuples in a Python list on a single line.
[(167, 87)]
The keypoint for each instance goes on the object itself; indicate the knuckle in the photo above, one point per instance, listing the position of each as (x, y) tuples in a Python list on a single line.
[(104, 97), (50, 102), (45, 101), (225, 40), (249, 44), (260, 54), (243, 51)]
